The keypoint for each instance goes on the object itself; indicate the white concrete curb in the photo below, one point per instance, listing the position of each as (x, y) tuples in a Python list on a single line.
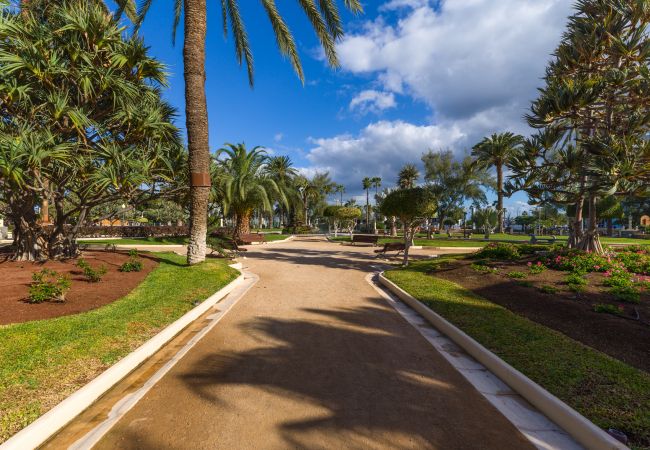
[(581, 429), (51, 422)]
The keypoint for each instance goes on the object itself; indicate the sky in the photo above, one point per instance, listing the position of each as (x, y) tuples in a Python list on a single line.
[(415, 75)]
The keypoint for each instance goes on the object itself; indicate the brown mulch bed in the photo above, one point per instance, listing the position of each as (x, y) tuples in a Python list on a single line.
[(565, 311), (15, 278)]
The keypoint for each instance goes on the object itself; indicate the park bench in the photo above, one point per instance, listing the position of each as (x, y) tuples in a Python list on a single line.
[(541, 239), (225, 246), (398, 247), (246, 239), (365, 239)]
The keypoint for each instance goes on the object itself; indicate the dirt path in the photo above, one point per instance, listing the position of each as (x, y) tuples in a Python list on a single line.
[(312, 357)]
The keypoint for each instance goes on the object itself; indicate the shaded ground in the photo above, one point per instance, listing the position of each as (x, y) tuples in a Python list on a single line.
[(313, 357), (15, 278), (570, 313)]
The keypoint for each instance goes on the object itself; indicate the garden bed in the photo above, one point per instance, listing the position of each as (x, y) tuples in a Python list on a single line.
[(15, 278), (564, 310), (607, 391), (42, 362)]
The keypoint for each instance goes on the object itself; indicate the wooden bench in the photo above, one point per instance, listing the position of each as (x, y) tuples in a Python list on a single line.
[(246, 239), (365, 239), (541, 239), (225, 246), (398, 247)]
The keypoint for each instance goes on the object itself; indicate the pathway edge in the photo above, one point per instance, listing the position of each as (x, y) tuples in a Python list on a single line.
[(50, 423), (575, 424)]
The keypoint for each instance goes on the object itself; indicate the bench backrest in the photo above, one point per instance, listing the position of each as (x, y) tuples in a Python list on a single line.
[(392, 246)]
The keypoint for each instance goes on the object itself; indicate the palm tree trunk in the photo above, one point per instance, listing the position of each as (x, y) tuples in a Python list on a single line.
[(500, 195), (242, 225), (367, 210), (196, 113)]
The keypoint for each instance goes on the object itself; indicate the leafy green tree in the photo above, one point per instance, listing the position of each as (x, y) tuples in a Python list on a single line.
[(324, 18), (412, 206), (246, 184), (282, 171), (340, 189), (486, 219), (347, 216), (82, 121), (376, 183), (454, 182), (497, 151)]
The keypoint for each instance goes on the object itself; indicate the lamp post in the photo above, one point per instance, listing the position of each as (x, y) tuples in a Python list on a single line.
[(123, 213)]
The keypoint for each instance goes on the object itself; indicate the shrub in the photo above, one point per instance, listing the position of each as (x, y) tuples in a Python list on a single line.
[(483, 268), (93, 275), (47, 285), (133, 253), (572, 260), (524, 283), (629, 294), (132, 265), (608, 309), (635, 261), (576, 278), (498, 250), (548, 289), (517, 275), (531, 249), (536, 268), (298, 230)]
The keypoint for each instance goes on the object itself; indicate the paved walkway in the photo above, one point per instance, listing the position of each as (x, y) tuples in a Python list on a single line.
[(312, 357)]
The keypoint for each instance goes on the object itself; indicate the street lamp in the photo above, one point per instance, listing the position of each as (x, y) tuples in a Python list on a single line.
[(123, 213)]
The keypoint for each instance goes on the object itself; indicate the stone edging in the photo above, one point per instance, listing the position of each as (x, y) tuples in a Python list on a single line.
[(43, 428), (579, 427)]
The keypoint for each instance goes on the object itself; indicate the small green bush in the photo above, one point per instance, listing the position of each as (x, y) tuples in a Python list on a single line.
[(483, 268), (91, 274), (48, 285), (537, 268), (499, 250), (524, 283), (629, 294), (547, 289), (517, 275), (576, 278), (608, 309), (133, 253), (132, 265)]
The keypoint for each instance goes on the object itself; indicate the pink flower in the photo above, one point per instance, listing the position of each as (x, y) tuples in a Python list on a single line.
[(529, 264)]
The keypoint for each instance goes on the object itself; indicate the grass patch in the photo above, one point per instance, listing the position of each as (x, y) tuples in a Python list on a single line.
[(275, 237), (42, 362), (609, 392)]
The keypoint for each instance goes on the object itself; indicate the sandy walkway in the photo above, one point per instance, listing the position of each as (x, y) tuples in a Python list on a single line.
[(312, 357)]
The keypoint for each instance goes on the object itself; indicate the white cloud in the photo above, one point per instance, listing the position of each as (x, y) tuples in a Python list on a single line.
[(278, 137), (475, 63), (380, 149), (372, 101), (463, 57)]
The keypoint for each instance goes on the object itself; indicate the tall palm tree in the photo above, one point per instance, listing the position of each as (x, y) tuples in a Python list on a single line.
[(376, 183), (325, 20), (340, 189), (246, 184), (281, 170), (408, 176), (367, 184), (497, 151)]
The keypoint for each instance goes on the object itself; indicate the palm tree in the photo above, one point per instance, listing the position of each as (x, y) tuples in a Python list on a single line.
[(376, 183), (408, 176), (324, 19), (367, 184), (497, 151), (281, 170), (246, 184), (340, 189), (307, 191)]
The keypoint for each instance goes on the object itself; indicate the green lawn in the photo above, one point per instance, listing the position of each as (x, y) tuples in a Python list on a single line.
[(605, 390), (42, 362), (275, 237)]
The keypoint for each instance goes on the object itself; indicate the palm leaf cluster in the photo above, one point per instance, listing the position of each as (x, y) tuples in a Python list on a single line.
[(82, 119)]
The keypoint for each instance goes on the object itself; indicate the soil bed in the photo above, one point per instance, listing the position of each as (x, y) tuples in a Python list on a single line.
[(565, 311), (15, 278)]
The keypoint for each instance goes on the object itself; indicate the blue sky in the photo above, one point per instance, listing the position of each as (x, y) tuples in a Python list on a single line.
[(415, 75)]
